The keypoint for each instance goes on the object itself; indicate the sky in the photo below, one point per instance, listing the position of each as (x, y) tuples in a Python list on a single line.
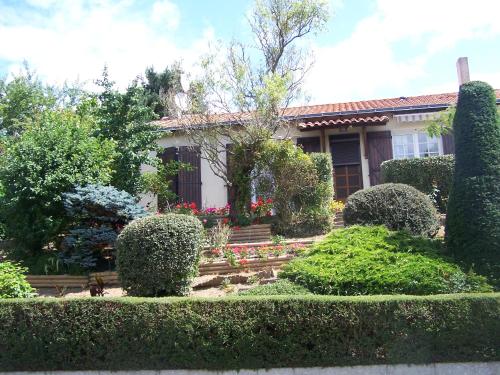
[(371, 48)]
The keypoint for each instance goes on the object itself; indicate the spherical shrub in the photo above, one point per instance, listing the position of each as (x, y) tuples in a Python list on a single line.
[(13, 283), (362, 260), (158, 255), (397, 206)]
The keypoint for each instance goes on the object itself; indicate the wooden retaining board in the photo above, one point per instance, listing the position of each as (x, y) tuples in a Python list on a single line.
[(51, 281), (251, 233), (111, 278)]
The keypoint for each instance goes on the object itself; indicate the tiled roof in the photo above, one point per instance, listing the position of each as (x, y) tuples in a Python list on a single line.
[(390, 105), (349, 121)]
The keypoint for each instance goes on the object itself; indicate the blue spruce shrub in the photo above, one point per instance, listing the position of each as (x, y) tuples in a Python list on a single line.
[(97, 214)]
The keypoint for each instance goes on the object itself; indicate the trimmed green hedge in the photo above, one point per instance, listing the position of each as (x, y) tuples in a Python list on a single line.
[(424, 174), (246, 332)]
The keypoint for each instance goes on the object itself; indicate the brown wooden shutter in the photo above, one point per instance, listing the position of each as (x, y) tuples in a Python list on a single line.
[(169, 154), (189, 181), (448, 143), (379, 150), (309, 144)]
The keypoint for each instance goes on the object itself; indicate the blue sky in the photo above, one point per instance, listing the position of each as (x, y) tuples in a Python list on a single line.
[(372, 48)]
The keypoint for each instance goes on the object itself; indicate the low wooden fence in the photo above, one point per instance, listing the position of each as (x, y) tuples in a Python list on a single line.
[(110, 278), (64, 281)]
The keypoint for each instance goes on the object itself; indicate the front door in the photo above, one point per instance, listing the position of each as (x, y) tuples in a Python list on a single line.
[(379, 150), (346, 158)]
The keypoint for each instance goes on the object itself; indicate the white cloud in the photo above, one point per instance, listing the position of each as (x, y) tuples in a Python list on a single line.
[(80, 37), (367, 61), (167, 13)]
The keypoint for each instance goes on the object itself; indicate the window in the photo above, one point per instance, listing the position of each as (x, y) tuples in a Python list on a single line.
[(427, 146), (415, 145), (403, 146)]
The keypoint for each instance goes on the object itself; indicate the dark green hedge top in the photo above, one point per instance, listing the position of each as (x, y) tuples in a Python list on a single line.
[(476, 128)]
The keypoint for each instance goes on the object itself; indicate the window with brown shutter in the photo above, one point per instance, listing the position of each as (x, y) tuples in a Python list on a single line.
[(189, 181), (448, 143), (309, 144)]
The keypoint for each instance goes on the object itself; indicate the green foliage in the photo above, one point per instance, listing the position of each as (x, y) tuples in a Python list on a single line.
[(374, 260), (22, 100), (97, 214), (159, 182), (299, 184), (126, 119), (160, 87), (242, 160), (473, 221), (280, 287), (158, 255), (432, 176), (55, 153), (443, 123), (13, 283), (246, 332), (396, 206)]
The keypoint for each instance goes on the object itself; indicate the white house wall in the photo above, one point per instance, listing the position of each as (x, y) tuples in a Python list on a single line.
[(214, 190)]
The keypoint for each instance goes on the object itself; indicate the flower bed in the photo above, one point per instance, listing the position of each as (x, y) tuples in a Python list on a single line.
[(258, 212), (241, 255)]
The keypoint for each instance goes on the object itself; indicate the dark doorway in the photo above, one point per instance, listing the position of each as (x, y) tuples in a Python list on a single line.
[(346, 158)]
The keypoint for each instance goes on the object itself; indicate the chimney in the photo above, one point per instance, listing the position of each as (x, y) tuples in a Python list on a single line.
[(463, 70)]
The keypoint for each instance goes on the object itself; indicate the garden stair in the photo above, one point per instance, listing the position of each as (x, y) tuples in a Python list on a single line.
[(251, 233)]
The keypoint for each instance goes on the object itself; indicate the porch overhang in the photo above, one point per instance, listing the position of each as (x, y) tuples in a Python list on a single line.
[(342, 122)]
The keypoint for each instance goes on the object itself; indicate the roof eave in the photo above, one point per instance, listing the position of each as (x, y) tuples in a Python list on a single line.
[(339, 113)]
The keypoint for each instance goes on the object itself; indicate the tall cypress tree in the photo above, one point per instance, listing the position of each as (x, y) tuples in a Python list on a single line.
[(473, 218)]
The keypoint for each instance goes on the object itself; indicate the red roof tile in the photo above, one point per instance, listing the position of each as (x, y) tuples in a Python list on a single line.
[(334, 109)]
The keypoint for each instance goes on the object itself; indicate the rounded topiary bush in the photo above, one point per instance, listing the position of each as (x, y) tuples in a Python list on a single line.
[(158, 255), (397, 206)]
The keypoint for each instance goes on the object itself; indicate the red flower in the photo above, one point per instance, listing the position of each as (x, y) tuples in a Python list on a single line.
[(243, 261), (177, 206), (225, 220), (269, 201), (192, 206)]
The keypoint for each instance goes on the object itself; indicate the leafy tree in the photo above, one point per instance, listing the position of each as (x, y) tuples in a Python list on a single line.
[(473, 220), (160, 88), (126, 119), (238, 89), (23, 99), (57, 151)]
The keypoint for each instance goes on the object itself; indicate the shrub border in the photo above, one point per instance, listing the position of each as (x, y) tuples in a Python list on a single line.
[(247, 332)]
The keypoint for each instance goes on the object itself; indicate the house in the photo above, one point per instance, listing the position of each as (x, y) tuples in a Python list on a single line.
[(360, 136)]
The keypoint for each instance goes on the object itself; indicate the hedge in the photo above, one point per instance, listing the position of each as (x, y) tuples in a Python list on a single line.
[(246, 332), (424, 174), (473, 221)]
